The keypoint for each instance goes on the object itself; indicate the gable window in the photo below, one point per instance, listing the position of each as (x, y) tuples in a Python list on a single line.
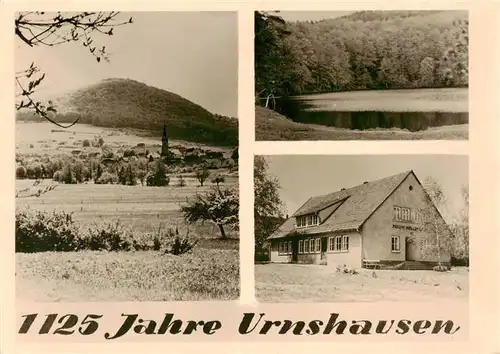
[(339, 244), (403, 214), (307, 220), (395, 245)]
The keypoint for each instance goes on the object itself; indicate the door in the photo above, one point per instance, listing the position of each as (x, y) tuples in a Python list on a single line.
[(295, 250), (324, 247), (411, 248)]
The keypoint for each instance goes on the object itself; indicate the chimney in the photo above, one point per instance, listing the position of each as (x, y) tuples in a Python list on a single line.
[(365, 182), (342, 189)]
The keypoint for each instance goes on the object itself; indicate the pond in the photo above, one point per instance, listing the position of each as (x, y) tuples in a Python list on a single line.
[(413, 110)]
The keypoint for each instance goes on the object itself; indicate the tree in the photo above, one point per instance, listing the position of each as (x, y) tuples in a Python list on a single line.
[(20, 172), (268, 207), (437, 238), (68, 176), (40, 29), (158, 177), (461, 229), (220, 206), (202, 175)]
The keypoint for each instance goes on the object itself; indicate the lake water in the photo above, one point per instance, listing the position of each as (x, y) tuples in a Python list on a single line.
[(413, 110)]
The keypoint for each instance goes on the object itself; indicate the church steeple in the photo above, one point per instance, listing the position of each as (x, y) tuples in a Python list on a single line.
[(164, 142)]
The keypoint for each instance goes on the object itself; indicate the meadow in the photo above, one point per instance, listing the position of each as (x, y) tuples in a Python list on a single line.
[(210, 271), (317, 283)]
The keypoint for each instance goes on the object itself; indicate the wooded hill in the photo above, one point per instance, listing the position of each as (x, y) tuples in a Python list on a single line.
[(363, 50), (124, 103)]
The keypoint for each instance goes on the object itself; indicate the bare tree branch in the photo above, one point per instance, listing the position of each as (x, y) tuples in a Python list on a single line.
[(50, 30)]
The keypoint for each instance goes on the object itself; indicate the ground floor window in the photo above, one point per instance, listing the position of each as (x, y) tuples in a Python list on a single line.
[(310, 245), (395, 246), (284, 247), (339, 243)]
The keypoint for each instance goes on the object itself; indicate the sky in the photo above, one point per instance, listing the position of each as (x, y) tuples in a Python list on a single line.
[(311, 15), (193, 54), (304, 176)]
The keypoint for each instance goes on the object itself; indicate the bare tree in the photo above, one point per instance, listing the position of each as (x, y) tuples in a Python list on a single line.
[(202, 175), (461, 230), (37, 28), (437, 238)]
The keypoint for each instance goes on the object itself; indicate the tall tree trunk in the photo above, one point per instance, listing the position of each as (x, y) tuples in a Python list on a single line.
[(223, 235)]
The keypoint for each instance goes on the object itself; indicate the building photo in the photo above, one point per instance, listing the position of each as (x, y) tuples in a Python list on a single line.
[(359, 217)]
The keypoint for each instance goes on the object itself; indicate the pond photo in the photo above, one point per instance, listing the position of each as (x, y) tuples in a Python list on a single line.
[(361, 75)]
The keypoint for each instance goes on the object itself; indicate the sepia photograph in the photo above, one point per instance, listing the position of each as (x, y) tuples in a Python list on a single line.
[(126, 156), (361, 228), (361, 75)]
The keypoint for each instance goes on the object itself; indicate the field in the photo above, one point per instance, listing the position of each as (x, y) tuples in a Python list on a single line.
[(270, 126), (418, 100), (209, 272), (139, 207), (316, 283)]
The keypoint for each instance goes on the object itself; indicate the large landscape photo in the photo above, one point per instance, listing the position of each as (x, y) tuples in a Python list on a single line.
[(127, 156), (365, 75), (351, 228)]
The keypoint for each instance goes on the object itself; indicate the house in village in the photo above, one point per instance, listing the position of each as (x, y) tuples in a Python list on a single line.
[(376, 223)]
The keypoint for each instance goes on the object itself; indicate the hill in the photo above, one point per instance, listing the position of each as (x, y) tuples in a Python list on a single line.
[(270, 125), (368, 50), (125, 103)]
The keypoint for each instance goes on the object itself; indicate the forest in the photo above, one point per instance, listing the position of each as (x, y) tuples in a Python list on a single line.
[(368, 50)]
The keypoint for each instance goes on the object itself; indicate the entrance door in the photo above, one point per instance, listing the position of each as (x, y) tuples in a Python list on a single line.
[(411, 249), (324, 245), (295, 251)]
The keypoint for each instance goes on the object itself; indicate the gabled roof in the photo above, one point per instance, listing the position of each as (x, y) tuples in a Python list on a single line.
[(357, 204)]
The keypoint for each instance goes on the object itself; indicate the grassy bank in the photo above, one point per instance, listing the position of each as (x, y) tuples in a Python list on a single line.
[(270, 126)]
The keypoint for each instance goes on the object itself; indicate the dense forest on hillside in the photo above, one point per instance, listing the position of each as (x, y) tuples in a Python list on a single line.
[(363, 50), (123, 103)]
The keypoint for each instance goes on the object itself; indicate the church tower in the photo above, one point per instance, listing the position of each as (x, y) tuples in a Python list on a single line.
[(164, 142)]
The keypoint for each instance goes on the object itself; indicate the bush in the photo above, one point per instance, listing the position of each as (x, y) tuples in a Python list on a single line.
[(107, 178), (57, 176), (107, 237), (21, 172), (86, 143), (218, 179), (177, 244), (440, 268), (44, 232)]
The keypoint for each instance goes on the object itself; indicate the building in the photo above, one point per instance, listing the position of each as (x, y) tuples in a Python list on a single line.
[(379, 223), (164, 142)]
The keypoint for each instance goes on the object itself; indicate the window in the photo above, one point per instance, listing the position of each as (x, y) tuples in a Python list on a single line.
[(318, 245), (339, 244), (301, 246), (307, 220), (311, 245), (345, 243), (285, 247), (306, 246), (395, 246), (403, 214)]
